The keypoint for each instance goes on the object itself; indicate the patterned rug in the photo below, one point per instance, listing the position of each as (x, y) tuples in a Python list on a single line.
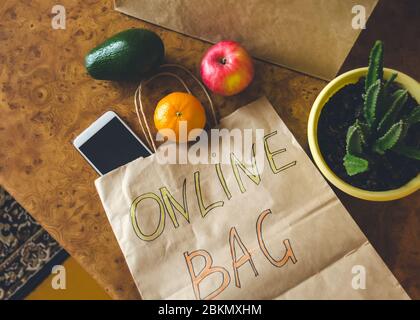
[(27, 252)]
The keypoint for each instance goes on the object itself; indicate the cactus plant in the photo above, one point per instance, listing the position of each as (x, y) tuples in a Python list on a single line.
[(381, 126)]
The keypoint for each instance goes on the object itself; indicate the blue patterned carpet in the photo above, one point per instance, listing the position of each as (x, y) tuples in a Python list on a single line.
[(27, 252)]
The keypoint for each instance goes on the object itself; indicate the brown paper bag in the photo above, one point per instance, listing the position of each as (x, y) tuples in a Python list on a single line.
[(310, 36), (240, 232)]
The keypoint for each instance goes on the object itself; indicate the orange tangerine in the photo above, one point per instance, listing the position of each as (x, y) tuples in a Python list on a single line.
[(177, 107)]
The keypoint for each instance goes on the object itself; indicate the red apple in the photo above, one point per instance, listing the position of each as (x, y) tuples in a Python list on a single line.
[(227, 68)]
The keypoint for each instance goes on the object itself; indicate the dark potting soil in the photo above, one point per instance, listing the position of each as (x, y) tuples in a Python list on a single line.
[(386, 172)]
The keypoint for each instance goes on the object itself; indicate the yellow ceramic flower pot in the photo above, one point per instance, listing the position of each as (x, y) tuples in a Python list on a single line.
[(352, 77)]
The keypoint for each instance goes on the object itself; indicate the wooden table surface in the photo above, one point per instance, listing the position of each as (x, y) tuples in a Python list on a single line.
[(47, 99)]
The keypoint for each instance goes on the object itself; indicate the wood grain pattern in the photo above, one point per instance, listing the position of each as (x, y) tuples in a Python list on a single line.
[(47, 98)]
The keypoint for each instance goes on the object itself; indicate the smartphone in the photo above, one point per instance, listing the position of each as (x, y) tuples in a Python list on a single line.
[(109, 143)]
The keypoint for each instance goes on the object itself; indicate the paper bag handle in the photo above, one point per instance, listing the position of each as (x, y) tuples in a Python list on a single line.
[(139, 104)]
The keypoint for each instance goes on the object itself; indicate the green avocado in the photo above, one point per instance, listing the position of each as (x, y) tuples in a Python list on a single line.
[(128, 55)]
